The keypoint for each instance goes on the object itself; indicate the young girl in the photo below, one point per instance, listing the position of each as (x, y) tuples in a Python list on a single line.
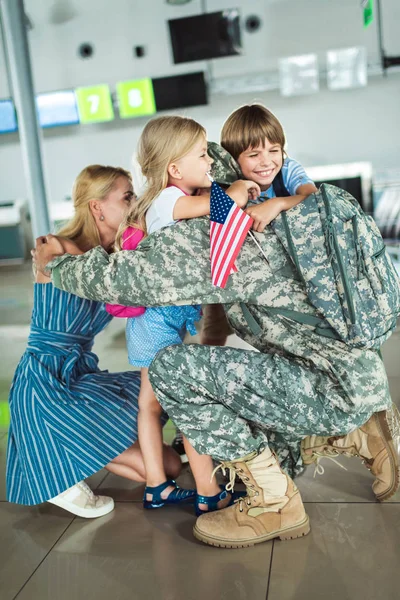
[(173, 157), (256, 140)]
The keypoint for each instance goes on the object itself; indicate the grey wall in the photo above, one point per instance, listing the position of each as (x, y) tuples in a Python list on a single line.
[(327, 127)]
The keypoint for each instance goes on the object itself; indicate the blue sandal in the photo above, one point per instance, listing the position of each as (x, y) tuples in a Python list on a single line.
[(176, 496), (212, 501)]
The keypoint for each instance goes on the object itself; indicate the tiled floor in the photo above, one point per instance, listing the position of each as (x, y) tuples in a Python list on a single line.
[(352, 553)]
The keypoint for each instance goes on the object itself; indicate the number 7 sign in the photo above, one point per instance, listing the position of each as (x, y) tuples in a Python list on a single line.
[(94, 104)]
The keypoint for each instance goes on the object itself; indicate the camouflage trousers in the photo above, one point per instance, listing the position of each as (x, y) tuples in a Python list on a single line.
[(229, 402)]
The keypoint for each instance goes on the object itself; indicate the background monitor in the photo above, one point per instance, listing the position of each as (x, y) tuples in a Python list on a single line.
[(8, 118), (57, 108), (210, 35), (180, 91), (353, 185), (387, 209), (355, 178)]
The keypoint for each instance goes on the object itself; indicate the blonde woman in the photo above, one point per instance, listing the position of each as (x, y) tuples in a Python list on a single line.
[(173, 157), (68, 418)]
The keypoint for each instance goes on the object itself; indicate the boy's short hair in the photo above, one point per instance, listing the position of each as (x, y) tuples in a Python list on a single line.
[(248, 127)]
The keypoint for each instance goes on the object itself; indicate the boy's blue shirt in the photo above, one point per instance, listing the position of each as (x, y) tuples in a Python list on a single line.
[(293, 175)]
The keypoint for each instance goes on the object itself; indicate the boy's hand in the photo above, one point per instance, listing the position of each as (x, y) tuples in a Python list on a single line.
[(264, 213), (242, 191)]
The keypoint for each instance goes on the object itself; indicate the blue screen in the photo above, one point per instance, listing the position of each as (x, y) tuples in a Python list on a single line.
[(8, 119), (57, 108)]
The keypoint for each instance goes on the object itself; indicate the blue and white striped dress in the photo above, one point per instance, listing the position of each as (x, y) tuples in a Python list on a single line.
[(68, 418)]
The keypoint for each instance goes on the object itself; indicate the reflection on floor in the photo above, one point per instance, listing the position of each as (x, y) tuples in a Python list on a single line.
[(352, 553)]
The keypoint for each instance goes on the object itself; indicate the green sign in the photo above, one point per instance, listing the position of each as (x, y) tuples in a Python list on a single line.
[(4, 415), (94, 104), (136, 98), (368, 12)]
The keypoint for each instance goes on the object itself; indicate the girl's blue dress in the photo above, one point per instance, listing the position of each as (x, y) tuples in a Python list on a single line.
[(68, 418)]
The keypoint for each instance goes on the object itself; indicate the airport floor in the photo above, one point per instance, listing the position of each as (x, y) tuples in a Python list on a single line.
[(352, 552)]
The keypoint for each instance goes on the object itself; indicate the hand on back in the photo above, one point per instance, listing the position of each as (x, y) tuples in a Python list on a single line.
[(48, 247)]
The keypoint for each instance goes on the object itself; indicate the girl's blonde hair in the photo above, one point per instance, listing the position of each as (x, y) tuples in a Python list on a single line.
[(248, 127), (94, 182), (164, 140)]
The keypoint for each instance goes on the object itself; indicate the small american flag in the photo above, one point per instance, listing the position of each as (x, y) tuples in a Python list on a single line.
[(229, 225)]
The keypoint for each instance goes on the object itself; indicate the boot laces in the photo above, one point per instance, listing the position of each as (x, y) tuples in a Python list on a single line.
[(319, 469), (246, 499), (252, 491), (230, 485), (232, 474)]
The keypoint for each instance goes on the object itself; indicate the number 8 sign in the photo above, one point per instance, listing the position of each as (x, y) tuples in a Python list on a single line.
[(136, 98), (94, 104)]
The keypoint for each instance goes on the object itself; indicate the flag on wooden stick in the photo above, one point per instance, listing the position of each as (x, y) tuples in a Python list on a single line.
[(229, 225)]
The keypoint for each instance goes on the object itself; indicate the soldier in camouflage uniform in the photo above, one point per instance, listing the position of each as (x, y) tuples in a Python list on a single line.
[(238, 405)]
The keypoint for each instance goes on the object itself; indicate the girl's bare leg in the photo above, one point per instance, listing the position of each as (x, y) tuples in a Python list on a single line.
[(150, 436), (202, 468)]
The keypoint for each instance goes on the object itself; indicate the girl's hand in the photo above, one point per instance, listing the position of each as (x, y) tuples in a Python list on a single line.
[(264, 213), (242, 191)]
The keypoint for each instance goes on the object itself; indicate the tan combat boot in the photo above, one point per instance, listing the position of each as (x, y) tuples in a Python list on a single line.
[(377, 442), (272, 508)]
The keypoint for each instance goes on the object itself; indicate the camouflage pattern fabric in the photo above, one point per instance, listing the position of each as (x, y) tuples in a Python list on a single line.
[(229, 402), (343, 254), (224, 170), (345, 385)]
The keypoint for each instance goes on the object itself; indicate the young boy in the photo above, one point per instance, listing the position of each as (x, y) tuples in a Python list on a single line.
[(256, 140), (254, 137)]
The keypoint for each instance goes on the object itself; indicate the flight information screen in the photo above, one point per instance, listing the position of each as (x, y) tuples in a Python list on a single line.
[(57, 108)]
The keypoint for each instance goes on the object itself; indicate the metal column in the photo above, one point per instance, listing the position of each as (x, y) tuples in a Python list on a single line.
[(19, 66)]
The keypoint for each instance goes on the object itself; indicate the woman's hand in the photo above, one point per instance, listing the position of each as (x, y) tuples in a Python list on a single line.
[(264, 213), (242, 191)]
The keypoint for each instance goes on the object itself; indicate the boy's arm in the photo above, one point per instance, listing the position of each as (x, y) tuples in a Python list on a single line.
[(267, 211)]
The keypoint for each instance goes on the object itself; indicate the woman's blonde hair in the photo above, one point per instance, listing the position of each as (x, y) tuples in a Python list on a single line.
[(94, 182), (164, 140), (248, 127)]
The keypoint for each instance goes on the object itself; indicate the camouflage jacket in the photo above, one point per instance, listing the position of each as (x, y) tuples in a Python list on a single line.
[(172, 266)]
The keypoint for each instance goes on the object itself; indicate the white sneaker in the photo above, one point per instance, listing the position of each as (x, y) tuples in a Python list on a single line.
[(81, 501)]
